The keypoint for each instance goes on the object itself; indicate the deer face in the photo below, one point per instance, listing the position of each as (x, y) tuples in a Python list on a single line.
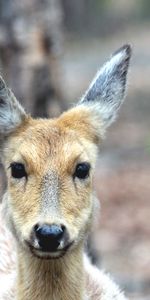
[(49, 163), (49, 169)]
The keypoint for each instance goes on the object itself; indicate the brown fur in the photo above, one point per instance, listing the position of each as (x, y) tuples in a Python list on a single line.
[(50, 151)]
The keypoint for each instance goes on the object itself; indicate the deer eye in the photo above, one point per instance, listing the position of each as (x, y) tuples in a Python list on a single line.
[(82, 170), (18, 170)]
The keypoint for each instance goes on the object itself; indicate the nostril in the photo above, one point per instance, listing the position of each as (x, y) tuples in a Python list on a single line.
[(36, 228), (63, 228), (49, 236)]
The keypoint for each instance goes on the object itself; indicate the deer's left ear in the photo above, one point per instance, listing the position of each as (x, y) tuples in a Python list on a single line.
[(106, 92), (99, 106)]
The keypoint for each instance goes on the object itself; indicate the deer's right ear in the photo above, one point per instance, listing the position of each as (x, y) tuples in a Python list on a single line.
[(12, 113)]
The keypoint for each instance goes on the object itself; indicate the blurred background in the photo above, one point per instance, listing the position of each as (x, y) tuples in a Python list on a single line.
[(49, 52)]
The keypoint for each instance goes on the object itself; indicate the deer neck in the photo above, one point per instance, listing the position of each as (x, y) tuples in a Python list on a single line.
[(53, 279)]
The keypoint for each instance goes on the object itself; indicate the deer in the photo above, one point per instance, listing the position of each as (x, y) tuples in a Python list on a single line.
[(49, 203)]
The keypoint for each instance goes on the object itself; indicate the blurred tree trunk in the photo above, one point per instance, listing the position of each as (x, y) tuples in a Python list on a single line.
[(31, 38)]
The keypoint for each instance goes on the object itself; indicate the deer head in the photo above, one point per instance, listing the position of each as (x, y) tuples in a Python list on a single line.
[(49, 163)]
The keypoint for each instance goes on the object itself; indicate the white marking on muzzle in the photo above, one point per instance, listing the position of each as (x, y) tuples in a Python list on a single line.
[(50, 194)]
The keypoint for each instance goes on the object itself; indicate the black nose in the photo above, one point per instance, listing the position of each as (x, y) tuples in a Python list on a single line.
[(49, 236)]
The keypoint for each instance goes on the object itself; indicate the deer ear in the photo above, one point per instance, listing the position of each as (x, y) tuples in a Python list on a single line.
[(12, 113), (106, 92)]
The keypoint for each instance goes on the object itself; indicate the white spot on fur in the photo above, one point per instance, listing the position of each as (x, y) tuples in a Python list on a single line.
[(50, 188)]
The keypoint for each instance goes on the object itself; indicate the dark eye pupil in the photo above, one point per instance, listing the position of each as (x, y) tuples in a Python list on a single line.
[(82, 170), (18, 170)]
